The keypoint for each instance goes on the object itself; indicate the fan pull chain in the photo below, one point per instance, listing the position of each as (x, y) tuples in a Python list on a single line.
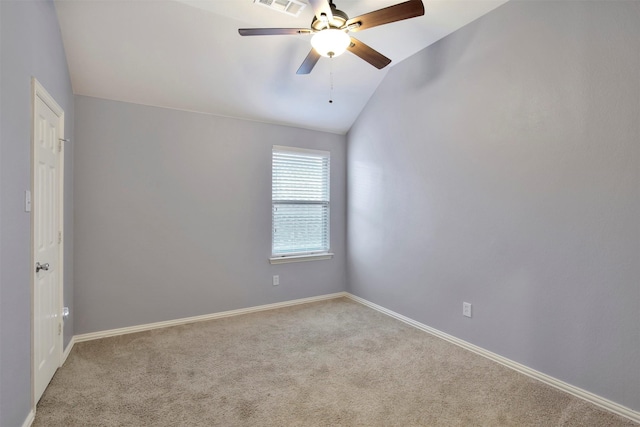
[(331, 79)]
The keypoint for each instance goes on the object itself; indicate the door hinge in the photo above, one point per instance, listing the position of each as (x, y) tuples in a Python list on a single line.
[(59, 237), (59, 328), (60, 141)]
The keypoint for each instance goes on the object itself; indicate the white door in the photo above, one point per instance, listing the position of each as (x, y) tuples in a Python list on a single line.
[(46, 238)]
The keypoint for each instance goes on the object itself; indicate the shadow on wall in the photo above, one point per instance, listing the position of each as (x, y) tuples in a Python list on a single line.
[(443, 55)]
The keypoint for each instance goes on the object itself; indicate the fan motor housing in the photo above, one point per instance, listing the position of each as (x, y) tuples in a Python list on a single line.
[(338, 21)]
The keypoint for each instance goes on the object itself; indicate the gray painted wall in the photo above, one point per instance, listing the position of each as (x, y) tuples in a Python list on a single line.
[(500, 166), (31, 45), (173, 215)]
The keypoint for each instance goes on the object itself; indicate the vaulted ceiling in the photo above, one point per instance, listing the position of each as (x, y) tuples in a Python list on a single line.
[(188, 55)]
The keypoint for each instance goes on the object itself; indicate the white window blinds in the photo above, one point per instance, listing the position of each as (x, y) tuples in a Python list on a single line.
[(300, 201)]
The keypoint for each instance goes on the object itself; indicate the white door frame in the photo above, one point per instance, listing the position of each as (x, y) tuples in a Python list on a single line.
[(38, 91)]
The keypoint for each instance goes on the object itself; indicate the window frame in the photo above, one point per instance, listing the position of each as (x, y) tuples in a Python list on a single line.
[(279, 258)]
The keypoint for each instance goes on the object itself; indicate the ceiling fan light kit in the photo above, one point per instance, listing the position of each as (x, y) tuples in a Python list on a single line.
[(330, 42), (330, 28)]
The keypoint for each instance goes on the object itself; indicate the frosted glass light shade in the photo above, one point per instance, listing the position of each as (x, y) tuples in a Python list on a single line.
[(330, 42)]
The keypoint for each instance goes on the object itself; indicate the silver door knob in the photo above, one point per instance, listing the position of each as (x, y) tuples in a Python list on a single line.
[(44, 267)]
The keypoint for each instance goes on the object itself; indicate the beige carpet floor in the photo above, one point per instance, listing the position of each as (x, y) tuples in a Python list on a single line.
[(331, 363)]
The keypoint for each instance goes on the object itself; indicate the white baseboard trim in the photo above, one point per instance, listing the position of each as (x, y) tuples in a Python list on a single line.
[(183, 321), (549, 380), (67, 350), (30, 418), (518, 367)]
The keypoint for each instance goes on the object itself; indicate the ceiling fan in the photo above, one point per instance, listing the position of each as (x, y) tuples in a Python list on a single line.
[(330, 27)]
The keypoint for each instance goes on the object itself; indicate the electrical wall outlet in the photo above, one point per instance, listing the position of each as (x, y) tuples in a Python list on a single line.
[(276, 280), (466, 309)]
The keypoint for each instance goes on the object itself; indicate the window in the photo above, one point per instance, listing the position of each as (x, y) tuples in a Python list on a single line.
[(300, 204)]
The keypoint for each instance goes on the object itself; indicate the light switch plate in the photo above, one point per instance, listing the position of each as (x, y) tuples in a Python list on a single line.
[(27, 201)]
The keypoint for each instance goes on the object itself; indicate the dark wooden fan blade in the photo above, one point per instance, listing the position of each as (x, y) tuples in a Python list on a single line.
[(321, 7), (272, 31), (406, 10), (309, 62), (370, 55)]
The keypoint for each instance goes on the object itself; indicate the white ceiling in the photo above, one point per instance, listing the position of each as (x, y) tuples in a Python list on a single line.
[(188, 55)]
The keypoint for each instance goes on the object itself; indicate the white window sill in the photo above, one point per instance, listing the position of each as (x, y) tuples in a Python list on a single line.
[(300, 258)]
